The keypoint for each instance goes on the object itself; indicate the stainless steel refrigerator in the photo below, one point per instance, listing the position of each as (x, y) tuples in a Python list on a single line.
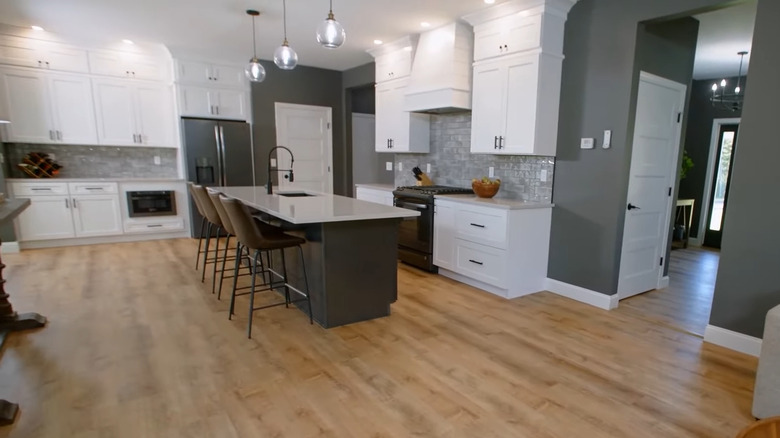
[(217, 153)]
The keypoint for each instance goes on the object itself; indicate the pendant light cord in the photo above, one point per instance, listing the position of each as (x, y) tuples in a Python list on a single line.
[(331, 6), (254, 42), (284, 9), (739, 78)]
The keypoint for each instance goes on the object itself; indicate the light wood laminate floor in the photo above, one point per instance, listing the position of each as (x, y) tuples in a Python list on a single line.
[(685, 304), (136, 347)]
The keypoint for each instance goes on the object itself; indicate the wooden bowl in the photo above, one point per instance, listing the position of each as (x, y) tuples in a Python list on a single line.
[(485, 190)]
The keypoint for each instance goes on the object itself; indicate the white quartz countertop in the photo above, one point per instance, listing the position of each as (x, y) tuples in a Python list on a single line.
[(67, 180), (321, 207), (507, 204), (385, 187)]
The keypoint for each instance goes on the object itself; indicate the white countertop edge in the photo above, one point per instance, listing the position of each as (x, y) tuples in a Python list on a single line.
[(384, 187), (506, 204), (119, 180)]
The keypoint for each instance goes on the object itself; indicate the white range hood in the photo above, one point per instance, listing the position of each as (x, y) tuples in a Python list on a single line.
[(441, 72)]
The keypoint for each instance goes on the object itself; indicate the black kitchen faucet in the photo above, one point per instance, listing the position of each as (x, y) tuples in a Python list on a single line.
[(290, 176)]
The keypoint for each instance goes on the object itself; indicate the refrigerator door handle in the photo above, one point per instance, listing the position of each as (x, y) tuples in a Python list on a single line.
[(220, 166), (223, 171)]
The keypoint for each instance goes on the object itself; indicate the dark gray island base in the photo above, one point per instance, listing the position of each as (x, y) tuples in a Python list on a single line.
[(352, 269)]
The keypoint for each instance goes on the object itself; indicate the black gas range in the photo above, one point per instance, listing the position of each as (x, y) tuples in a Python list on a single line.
[(415, 237)]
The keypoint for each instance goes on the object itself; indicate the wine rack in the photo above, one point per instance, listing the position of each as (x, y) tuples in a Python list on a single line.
[(39, 165)]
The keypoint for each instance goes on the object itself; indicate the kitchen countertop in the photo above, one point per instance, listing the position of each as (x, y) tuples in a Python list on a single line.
[(507, 204), (320, 208), (66, 180), (385, 187)]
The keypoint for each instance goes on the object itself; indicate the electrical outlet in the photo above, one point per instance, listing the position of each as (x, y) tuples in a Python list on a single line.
[(389, 166), (273, 162), (543, 175), (491, 172), (157, 160), (587, 143), (428, 168), (400, 166)]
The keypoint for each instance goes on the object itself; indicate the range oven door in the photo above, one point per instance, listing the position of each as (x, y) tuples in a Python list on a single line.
[(416, 233)]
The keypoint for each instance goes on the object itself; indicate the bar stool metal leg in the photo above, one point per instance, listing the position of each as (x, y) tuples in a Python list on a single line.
[(284, 277), (252, 294), (200, 242), (206, 252), (215, 259), (239, 250), (224, 262)]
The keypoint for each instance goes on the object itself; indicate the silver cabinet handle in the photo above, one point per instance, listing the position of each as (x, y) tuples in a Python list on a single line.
[(217, 107), (495, 142), (39, 64), (44, 189), (140, 139), (51, 134), (135, 138), (501, 142), (211, 109), (154, 226), (59, 135), (74, 203), (67, 203), (47, 64)]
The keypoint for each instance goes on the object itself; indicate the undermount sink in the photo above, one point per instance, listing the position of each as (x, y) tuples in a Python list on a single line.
[(294, 194)]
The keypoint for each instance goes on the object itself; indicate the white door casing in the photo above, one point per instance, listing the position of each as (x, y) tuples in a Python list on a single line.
[(656, 144), (307, 131)]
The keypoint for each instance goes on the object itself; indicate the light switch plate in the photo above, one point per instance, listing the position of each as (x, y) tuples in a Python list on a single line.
[(273, 162), (491, 172), (543, 175), (400, 166), (607, 139), (587, 143), (428, 168), (157, 160), (389, 165)]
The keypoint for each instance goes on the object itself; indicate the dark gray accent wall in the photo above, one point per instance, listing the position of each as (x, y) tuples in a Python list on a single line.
[(598, 92), (701, 115), (748, 282), (303, 86)]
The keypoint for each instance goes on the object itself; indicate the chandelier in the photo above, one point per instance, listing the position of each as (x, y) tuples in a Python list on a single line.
[(722, 98)]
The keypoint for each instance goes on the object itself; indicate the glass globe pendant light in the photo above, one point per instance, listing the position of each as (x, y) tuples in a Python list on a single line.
[(284, 56), (254, 71), (330, 33)]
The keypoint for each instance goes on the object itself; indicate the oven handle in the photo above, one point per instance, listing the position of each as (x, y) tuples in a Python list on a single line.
[(414, 206)]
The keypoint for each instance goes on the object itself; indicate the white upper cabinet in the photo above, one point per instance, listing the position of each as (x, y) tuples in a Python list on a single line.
[(394, 60), (518, 53), (203, 73), (131, 113), (219, 103), (128, 65), (27, 52), (398, 130), (48, 107)]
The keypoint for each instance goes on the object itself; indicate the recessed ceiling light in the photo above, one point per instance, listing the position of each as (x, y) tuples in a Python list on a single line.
[(36, 28), (408, 48), (128, 41), (490, 2), (377, 42), (425, 24)]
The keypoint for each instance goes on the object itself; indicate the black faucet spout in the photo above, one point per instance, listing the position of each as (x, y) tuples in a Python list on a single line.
[(269, 182)]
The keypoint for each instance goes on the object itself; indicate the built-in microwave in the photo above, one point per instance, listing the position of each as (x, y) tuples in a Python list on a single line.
[(151, 203)]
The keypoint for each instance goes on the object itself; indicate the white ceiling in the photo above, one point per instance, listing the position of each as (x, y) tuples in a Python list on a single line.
[(221, 30), (722, 34)]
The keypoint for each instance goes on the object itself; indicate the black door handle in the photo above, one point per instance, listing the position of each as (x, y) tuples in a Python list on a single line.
[(633, 207)]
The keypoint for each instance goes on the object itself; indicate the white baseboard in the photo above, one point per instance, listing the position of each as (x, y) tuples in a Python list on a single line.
[(9, 247), (587, 296), (663, 283), (732, 340), (121, 238)]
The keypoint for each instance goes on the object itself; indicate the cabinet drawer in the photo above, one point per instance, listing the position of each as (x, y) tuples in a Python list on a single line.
[(38, 189), (481, 262), (507, 35), (154, 226), (86, 188), (485, 226)]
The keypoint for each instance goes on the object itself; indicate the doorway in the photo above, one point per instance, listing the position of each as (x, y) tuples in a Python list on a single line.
[(720, 171), (306, 131)]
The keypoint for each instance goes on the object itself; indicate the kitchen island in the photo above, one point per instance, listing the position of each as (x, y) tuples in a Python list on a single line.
[(351, 251)]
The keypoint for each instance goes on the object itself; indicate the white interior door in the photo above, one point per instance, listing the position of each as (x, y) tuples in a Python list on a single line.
[(306, 131), (652, 175)]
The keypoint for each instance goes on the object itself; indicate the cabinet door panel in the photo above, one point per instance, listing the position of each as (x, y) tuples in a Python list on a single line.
[(28, 107), (444, 236), (194, 101), (115, 113), (155, 115), (72, 109), (487, 106), (107, 63), (193, 72), (231, 104), (146, 67), (383, 116), (521, 96), (96, 215), (229, 76), (399, 127), (65, 58), (47, 217), (18, 51)]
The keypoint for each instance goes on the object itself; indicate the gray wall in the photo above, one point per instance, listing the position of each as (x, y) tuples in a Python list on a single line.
[(701, 114), (598, 92), (304, 86), (748, 282), (453, 164)]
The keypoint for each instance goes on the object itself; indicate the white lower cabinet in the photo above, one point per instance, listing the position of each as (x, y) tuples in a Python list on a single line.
[(496, 248), (47, 218), (96, 215), (379, 196)]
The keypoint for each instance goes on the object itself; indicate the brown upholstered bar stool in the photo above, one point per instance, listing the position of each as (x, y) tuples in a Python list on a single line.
[(228, 227), (264, 239), (203, 221), (213, 220)]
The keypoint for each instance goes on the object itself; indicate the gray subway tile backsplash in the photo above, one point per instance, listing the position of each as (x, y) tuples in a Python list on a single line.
[(453, 164), (98, 161)]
